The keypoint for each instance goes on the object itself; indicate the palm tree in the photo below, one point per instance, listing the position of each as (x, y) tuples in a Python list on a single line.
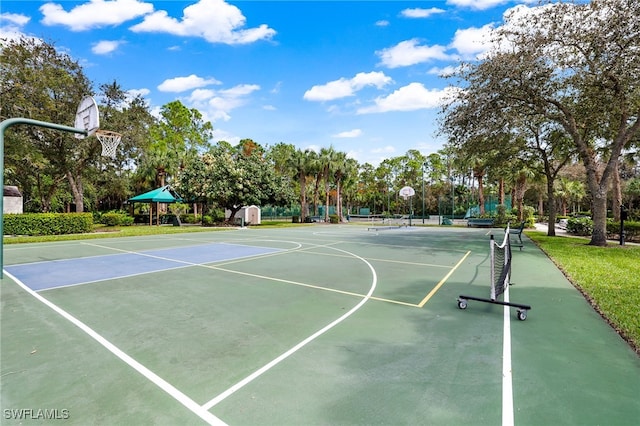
[(327, 161), (340, 170), (300, 165), (521, 178)]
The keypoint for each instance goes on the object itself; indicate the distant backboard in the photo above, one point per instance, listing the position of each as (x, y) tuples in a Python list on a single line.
[(87, 117), (407, 192)]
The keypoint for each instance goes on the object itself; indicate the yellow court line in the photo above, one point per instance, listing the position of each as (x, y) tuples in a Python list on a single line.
[(442, 281)]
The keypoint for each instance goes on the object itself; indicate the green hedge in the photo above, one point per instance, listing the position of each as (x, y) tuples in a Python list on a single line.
[(631, 230), (584, 226), (47, 223), (116, 219)]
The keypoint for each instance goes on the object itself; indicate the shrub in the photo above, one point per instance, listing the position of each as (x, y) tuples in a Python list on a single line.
[(631, 230), (580, 226), (47, 223), (116, 219), (528, 215), (333, 218), (207, 220), (188, 218), (502, 217)]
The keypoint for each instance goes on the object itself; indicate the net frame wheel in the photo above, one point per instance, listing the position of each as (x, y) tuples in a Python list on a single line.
[(462, 304), (522, 314)]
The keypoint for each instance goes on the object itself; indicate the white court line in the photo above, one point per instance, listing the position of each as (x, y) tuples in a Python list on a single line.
[(195, 408), (507, 373), (300, 345)]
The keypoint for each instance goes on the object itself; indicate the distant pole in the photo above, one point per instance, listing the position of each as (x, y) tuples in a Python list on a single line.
[(423, 167), (453, 203), (3, 126)]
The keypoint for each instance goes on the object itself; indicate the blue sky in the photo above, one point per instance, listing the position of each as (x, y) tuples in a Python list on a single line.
[(361, 76)]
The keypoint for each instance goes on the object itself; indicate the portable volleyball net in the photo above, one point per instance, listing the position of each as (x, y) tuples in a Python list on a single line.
[(500, 256)]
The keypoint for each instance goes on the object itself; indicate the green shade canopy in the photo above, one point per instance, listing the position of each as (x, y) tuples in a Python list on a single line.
[(158, 195)]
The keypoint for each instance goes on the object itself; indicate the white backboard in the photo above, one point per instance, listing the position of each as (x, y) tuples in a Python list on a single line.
[(407, 191), (87, 117)]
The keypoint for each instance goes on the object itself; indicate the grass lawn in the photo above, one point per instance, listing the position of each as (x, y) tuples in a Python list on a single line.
[(609, 277)]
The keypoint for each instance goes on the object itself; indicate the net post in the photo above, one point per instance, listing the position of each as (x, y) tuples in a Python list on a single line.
[(493, 267)]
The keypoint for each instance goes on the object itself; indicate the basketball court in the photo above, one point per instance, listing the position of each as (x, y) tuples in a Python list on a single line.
[(321, 324)]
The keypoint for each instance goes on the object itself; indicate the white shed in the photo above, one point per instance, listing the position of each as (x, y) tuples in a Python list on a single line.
[(12, 200), (252, 215)]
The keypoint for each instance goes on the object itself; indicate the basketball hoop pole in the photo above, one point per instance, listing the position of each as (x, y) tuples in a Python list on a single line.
[(4, 125)]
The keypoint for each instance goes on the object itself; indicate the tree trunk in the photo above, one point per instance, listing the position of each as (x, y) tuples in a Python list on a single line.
[(77, 191), (599, 216), (520, 190), (540, 205), (233, 211), (339, 201), (480, 194), (617, 193), (551, 225), (326, 204), (303, 196)]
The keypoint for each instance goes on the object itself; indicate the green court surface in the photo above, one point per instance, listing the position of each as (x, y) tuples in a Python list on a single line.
[(316, 325)]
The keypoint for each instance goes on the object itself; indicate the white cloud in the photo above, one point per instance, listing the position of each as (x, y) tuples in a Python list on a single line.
[(409, 52), (223, 135), (349, 134), (240, 90), (217, 105), (382, 23), (94, 14), (15, 18), (420, 13), (477, 4), (11, 25), (343, 87), (213, 20), (141, 92), (182, 84), (384, 150), (408, 98), (472, 42), (105, 47), (442, 71)]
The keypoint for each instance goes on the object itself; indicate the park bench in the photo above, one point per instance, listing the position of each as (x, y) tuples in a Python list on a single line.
[(518, 233), (480, 221)]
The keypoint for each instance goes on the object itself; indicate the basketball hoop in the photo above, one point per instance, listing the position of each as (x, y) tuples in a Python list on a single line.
[(109, 141), (407, 192)]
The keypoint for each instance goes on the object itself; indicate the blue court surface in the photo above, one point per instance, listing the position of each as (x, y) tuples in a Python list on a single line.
[(61, 273)]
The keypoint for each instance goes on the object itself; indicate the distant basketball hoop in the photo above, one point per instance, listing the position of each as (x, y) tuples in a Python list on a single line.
[(407, 192), (109, 141)]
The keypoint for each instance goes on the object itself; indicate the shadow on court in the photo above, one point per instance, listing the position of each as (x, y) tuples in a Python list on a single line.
[(314, 325)]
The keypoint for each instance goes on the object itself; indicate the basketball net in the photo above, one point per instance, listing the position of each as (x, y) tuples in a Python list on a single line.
[(109, 141)]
